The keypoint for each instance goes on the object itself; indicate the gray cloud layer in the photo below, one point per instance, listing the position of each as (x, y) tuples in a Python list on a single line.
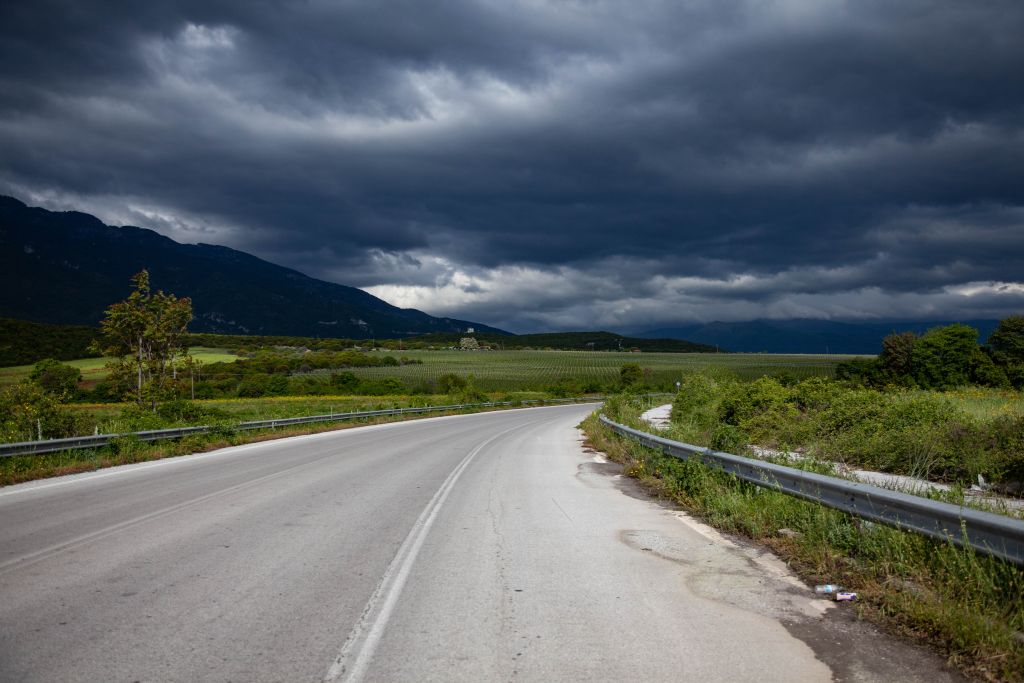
[(549, 165)]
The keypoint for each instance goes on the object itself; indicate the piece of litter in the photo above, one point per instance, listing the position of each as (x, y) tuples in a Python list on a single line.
[(845, 596)]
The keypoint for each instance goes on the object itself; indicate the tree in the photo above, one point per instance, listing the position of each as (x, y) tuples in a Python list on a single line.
[(986, 373), (146, 334), (1007, 341), (1007, 346), (942, 358), (55, 378), (631, 374), (898, 353)]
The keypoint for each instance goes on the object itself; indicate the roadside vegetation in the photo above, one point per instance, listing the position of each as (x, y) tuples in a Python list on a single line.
[(969, 607), (948, 437), (940, 407)]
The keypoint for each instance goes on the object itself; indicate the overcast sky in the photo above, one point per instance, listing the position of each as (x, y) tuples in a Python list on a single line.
[(548, 165)]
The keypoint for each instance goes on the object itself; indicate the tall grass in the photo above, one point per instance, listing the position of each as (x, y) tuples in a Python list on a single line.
[(926, 434)]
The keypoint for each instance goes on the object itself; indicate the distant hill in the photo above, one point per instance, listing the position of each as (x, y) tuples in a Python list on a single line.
[(583, 341), (66, 268), (803, 335)]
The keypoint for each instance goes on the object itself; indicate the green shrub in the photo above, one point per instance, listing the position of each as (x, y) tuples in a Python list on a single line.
[(450, 383), (253, 386), (27, 412), (189, 412), (631, 375), (57, 379), (697, 400), (758, 408), (901, 431), (729, 438)]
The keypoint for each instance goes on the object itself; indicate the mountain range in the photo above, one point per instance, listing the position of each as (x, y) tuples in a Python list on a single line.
[(800, 335), (68, 267)]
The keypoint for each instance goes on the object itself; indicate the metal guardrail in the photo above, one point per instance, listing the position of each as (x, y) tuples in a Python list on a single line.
[(986, 532), (100, 440)]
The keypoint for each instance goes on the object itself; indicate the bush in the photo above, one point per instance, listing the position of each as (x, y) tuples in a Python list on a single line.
[(450, 383), (26, 411), (136, 418), (758, 407), (57, 379), (631, 375), (386, 386), (904, 432), (184, 411), (696, 403), (277, 385), (565, 387), (345, 382), (253, 386)]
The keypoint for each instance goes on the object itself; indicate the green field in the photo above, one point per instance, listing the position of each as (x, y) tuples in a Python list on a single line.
[(522, 370), (93, 368), (516, 370)]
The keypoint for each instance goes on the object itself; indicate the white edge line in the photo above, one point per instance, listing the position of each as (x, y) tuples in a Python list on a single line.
[(130, 468), (390, 589)]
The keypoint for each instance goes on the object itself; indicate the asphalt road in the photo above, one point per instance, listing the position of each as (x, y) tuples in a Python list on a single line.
[(487, 547)]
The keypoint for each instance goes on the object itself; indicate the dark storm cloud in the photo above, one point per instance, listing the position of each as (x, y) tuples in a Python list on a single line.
[(548, 164)]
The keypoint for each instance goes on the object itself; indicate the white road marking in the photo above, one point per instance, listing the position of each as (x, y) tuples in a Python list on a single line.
[(118, 470), (358, 650), (128, 469)]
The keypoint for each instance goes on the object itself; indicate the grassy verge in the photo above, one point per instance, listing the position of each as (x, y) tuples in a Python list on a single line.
[(23, 468), (115, 418), (969, 607)]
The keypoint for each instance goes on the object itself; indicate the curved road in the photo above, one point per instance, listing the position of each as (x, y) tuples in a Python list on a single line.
[(473, 548)]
